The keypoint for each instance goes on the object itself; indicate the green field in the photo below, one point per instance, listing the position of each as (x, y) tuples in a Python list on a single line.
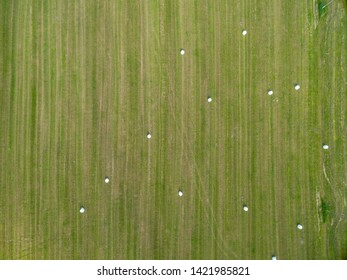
[(83, 82)]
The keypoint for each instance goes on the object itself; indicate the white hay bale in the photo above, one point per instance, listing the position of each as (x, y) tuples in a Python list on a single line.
[(244, 32), (209, 100), (245, 208), (325, 147), (182, 51), (297, 87), (82, 210), (299, 226), (180, 193), (270, 92), (149, 135), (107, 180)]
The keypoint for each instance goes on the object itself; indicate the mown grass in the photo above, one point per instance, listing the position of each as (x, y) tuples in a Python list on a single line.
[(82, 82)]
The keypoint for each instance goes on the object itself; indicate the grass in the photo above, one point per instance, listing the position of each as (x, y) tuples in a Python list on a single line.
[(81, 84), (325, 211), (322, 5)]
